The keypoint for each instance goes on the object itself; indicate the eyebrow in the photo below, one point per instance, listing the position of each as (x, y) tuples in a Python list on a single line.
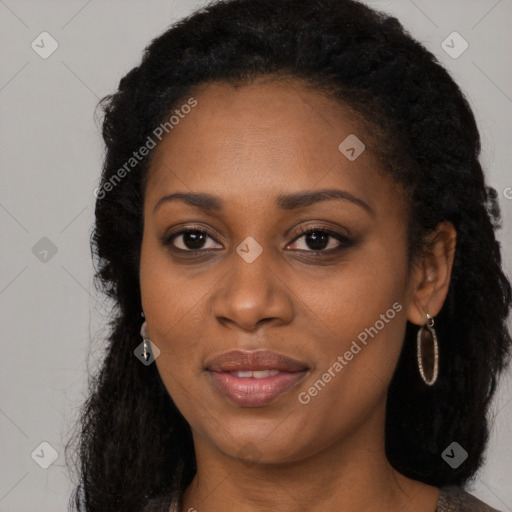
[(293, 201)]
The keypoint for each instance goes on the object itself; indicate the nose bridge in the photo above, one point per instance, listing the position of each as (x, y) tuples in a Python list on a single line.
[(250, 282), (252, 264), (251, 291)]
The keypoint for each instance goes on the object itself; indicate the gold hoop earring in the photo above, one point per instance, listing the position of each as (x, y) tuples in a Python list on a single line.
[(428, 360)]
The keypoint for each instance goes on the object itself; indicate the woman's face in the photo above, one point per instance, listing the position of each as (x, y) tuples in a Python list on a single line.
[(319, 318)]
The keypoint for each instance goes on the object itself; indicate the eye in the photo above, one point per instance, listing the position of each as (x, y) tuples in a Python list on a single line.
[(313, 239), (192, 239), (320, 239)]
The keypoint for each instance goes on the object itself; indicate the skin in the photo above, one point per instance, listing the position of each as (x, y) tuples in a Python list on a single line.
[(247, 146)]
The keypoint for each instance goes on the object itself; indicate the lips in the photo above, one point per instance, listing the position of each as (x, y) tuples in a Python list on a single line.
[(254, 379), (239, 360)]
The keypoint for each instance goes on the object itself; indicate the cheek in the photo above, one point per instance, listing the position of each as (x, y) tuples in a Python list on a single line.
[(175, 328), (362, 311), (354, 295), (172, 304)]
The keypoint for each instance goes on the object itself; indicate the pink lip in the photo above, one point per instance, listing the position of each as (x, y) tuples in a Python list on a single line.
[(250, 391), (238, 360)]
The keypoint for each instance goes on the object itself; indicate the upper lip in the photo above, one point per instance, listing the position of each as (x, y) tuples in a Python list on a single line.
[(237, 360)]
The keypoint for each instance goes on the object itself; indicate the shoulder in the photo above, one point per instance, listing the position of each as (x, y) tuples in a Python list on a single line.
[(455, 499)]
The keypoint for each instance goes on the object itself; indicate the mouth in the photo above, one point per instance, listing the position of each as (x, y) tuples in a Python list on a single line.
[(254, 379)]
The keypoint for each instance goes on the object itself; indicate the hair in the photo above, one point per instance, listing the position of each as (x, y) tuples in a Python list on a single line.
[(134, 448)]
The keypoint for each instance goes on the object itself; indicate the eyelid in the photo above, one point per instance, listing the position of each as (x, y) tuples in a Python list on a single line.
[(318, 227)]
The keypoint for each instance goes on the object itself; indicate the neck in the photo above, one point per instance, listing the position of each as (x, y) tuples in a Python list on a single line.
[(353, 475)]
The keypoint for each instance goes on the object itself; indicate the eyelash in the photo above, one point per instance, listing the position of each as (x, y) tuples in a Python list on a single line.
[(343, 240)]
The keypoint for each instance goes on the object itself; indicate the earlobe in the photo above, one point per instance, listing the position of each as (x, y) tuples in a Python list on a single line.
[(431, 275)]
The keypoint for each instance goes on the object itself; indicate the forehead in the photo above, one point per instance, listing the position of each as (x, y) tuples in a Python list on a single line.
[(263, 138)]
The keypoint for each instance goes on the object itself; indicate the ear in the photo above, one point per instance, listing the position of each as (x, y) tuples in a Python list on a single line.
[(430, 275)]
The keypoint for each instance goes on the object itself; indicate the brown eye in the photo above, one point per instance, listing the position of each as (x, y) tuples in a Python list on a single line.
[(317, 240), (192, 240), (320, 240)]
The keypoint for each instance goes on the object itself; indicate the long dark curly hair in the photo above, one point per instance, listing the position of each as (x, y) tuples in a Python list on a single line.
[(132, 448)]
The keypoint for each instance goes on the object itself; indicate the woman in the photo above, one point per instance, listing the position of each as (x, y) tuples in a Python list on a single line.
[(293, 215)]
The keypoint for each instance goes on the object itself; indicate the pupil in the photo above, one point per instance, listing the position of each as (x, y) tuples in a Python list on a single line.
[(193, 239), (316, 240)]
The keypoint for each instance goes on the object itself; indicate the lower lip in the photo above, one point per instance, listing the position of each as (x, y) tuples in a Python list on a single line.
[(251, 392)]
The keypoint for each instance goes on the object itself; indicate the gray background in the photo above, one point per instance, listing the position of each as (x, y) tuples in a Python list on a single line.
[(50, 158)]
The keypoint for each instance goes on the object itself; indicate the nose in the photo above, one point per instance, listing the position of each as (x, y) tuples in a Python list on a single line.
[(252, 294)]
